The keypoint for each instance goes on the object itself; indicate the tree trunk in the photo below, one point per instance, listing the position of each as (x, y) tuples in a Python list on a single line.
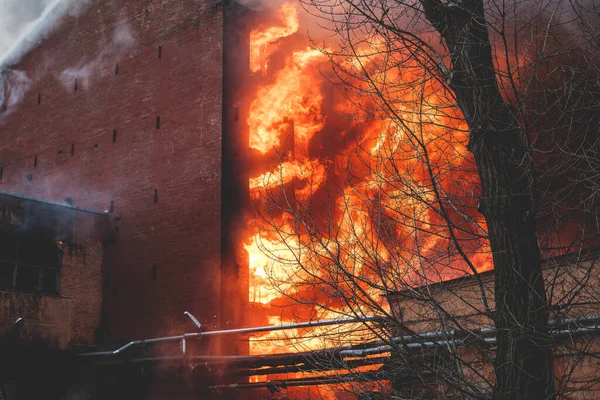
[(523, 364)]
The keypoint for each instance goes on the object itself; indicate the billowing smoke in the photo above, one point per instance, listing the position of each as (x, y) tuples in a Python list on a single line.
[(13, 86), (23, 25), (15, 18), (32, 32), (121, 42)]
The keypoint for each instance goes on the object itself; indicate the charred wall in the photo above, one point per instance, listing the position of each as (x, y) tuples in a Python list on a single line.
[(50, 271)]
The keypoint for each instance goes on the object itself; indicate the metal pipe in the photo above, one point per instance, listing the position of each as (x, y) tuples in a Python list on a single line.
[(324, 322), (194, 320), (238, 331), (397, 340), (312, 381), (345, 351)]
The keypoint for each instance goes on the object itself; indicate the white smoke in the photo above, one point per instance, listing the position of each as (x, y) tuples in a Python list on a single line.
[(23, 25), (35, 31), (122, 41), (13, 86)]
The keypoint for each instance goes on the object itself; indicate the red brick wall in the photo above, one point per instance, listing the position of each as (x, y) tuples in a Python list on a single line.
[(181, 232), (81, 277)]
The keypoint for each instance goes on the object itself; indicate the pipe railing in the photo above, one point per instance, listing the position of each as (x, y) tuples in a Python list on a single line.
[(238, 331), (417, 341)]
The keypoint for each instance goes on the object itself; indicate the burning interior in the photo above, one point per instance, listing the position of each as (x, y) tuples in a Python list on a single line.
[(339, 214)]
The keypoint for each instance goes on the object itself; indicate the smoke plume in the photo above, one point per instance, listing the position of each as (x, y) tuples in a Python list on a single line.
[(121, 42), (23, 25), (21, 35)]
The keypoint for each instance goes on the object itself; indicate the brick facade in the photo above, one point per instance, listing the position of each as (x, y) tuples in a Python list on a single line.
[(142, 139), (572, 285)]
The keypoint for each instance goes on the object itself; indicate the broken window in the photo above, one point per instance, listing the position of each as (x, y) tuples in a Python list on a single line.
[(29, 262)]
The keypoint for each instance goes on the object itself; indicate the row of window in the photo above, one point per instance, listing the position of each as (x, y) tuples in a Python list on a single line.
[(29, 278)]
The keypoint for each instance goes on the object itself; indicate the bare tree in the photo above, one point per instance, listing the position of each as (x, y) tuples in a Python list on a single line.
[(515, 83)]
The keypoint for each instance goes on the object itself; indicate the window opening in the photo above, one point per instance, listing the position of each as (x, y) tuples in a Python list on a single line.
[(29, 263)]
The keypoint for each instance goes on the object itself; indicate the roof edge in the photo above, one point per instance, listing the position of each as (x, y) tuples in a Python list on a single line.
[(53, 203)]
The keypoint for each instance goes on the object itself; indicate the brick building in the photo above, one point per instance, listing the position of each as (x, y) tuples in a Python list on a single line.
[(451, 315), (50, 270), (130, 109)]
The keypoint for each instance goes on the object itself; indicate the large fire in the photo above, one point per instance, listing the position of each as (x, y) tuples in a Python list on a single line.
[(346, 182)]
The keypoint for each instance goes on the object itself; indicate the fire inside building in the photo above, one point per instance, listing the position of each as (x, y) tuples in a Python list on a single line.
[(139, 138)]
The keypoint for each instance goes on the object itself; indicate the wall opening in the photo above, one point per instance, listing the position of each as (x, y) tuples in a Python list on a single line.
[(29, 262)]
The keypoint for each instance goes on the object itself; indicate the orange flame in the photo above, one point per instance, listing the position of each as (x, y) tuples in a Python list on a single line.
[(385, 198), (261, 41), (292, 101)]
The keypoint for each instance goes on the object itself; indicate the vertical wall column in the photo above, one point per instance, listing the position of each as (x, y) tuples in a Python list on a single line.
[(235, 192)]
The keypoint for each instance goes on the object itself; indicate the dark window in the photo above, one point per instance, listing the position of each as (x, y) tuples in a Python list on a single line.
[(115, 136), (28, 278), (6, 275), (154, 271), (159, 51), (34, 161), (39, 98), (158, 122), (117, 69), (76, 84), (50, 280), (72, 149), (29, 263)]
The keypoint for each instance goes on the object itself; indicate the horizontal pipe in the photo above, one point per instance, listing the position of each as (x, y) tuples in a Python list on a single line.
[(405, 340), (238, 331), (310, 367), (341, 352), (313, 381), (324, 322)]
